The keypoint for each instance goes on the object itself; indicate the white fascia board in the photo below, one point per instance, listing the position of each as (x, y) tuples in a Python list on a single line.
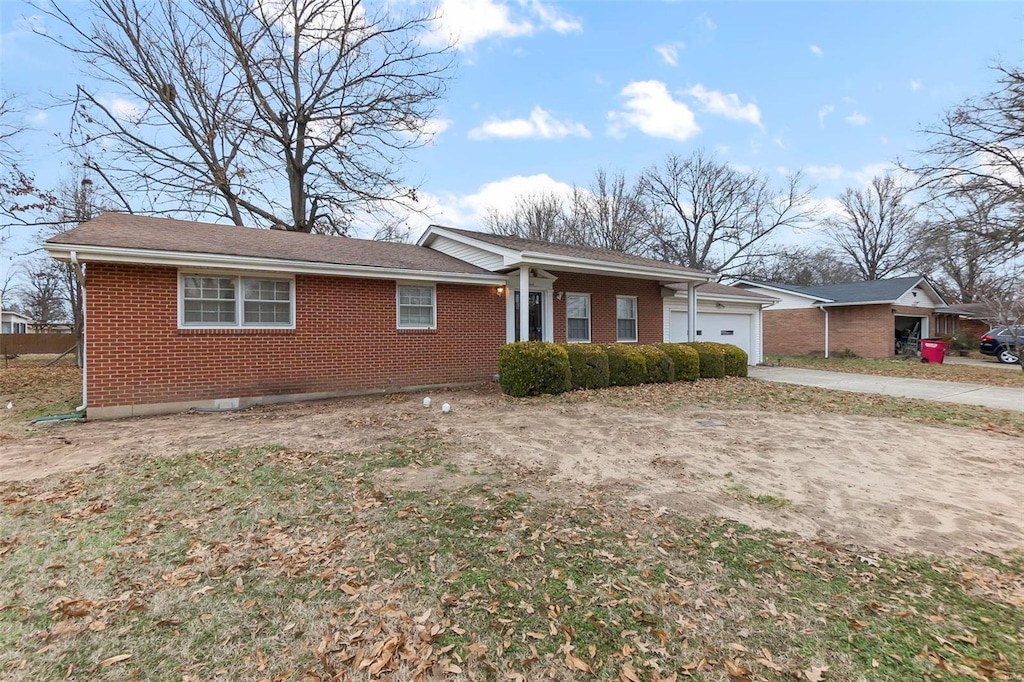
[(106, 254), (783, 290), (837, 304), (600, 267), (434, 230), (727, 298)]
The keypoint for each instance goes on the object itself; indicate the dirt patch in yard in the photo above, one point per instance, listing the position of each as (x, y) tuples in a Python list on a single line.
[(871, 481)]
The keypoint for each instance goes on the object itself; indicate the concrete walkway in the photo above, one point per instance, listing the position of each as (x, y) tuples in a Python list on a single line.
[(999, 397)]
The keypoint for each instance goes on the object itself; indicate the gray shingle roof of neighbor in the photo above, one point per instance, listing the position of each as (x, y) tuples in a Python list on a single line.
[(724, 290), (569, 250), (127, 231), (855, 292)]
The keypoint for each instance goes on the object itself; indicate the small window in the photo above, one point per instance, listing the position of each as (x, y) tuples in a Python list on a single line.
[(233, 301), (209, 301), (267, 302), (577, 314), (625, 318), (416, 307)]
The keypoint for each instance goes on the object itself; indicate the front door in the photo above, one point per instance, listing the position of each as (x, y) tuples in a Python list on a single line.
[(536, 316)]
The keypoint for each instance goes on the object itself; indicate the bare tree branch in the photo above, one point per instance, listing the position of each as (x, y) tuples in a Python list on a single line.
[(297, 113)]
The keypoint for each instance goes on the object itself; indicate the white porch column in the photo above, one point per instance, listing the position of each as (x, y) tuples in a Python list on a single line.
[(691, 311), (524, 303)]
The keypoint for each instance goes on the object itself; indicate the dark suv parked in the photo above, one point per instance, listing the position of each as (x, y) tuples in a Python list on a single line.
[(1000, 343)]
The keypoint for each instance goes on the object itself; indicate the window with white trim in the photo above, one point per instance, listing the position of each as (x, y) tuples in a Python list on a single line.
[(416, 307), (577, 318), (225, 301), (625, 318)]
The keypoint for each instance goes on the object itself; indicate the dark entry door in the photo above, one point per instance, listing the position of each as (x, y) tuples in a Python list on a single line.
[(536, 316)]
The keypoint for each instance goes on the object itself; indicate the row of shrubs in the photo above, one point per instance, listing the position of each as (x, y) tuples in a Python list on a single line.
[(537, 367)]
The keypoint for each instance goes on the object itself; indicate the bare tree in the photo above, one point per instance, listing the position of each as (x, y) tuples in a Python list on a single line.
[(877, 229), (705, 214), (979, 146), (610, 213), (811, 266), (533, 216), (19, 195), (966, 263), (294, 112), (40, 294)]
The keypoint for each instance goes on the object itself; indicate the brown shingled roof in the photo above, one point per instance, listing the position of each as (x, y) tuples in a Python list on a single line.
[(724, 290), (568, 250), (123, 230)]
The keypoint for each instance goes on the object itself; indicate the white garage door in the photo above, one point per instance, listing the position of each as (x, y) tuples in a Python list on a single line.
[(721, 327)]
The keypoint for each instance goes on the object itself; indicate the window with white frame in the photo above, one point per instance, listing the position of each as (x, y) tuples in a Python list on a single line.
[(226, 301), (577, 314), (625, 318), (416, 307)]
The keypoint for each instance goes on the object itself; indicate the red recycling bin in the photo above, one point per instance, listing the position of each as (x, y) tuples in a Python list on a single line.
[(933, 350)]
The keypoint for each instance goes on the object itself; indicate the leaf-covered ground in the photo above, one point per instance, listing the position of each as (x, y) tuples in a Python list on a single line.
[(912, 368), (280, 564)]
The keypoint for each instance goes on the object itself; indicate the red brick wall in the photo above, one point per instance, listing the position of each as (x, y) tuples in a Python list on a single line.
[(344, 340), (603, 290), (793, 332), (867, 330)]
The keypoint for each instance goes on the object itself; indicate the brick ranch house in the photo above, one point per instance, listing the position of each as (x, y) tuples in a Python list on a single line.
[(183, 315), (873, 319)]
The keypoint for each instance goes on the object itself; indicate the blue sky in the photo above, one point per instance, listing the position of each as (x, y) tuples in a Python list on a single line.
[(545, 93)]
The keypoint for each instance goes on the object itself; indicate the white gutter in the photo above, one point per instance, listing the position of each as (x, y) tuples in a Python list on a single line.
[(822, 309), (110, 254), (77, 267)]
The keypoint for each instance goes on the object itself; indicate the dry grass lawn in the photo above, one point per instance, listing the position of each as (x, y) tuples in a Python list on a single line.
[(914, 369), (368, 539)]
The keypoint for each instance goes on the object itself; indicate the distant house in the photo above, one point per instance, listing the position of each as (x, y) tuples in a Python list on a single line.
[(876, 319), (971, 319), (182, 314), (15, 323)]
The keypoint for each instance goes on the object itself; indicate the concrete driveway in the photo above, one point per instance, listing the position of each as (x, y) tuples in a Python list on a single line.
[(943, 391)]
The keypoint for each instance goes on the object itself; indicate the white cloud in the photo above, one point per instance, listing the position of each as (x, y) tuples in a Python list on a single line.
[(468, 210), (704, 21), (670, 52), (817, 51), (650, 108), (823, 112), (467, 22), (37, 118), (857, 119), (833, 172), (122, 109), (727, 105), (540, 125), (883, 139), (915, 84)]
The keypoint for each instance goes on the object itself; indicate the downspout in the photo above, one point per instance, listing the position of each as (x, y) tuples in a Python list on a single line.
[(822, 309), (77, 268)]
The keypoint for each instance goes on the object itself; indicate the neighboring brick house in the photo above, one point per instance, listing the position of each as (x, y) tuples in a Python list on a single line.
[(971, 319), (186, 315), (876, 319)]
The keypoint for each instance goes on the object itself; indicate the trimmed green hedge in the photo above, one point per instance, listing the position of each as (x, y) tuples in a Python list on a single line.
[(588, 364), (537, 367), (626, 365), (660, 367), (685, 360), (712, 359), (735, 360), (533, 368)]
